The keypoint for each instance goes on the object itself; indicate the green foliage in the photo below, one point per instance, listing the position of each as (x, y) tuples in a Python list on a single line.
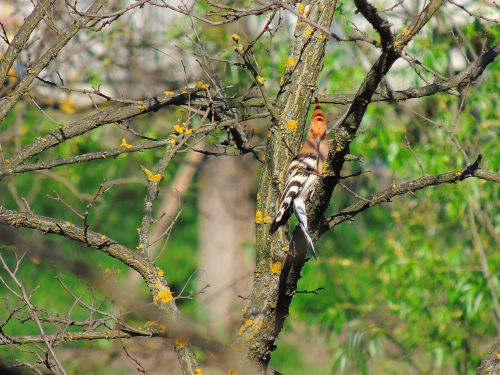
[(403, 284), (406, 277)]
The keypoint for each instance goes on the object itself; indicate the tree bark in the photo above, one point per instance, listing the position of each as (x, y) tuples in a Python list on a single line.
[(491, 364), (263, 317)]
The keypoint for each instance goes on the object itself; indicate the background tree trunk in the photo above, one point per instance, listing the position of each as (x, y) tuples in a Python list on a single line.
[(227, 233)]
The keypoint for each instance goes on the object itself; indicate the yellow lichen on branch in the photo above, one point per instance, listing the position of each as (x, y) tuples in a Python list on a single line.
[(276, 267), (180, 342), (151, 176), (124, 144), (202, 85), (292, 125), (290, 63), (141, 106), (179, 129), (248, 323), (239, 49), (159, 271), (164, 296), (258, 217)]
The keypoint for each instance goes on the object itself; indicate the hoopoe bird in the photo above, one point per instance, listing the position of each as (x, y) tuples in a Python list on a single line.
[(302, 176)]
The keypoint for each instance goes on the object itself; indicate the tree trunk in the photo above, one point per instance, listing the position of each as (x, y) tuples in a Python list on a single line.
[(227, 233), (491, 364)]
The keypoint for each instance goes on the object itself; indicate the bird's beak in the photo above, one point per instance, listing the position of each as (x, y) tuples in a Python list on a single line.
[(318, 140)]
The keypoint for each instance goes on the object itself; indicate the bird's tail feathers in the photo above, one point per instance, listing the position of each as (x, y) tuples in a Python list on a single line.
[(309, 241), (300, 212)]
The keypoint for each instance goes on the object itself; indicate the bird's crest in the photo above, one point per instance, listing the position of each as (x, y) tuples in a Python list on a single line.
[(318, 121)]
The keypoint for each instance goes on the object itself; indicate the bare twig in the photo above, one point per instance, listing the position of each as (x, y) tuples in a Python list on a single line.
[(33, 313)]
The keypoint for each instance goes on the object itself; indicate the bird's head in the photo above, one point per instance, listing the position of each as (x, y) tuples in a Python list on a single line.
[(318, 123)]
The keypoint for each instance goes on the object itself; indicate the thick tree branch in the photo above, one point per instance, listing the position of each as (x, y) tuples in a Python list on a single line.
[(382, 26), (76, 233)]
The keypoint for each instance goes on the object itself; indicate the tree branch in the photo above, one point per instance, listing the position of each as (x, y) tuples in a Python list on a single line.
[(382, 26), (8, 102), (386, 195), (64, 337), (22, 37), (8, 170), (467, 76), (94, 121), (156, 283)]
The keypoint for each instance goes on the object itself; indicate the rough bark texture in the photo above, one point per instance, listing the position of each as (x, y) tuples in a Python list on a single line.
[(279, 262), (263, 318), (491, 364)]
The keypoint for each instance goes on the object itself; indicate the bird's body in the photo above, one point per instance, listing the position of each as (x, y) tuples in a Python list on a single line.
[(303, 174)]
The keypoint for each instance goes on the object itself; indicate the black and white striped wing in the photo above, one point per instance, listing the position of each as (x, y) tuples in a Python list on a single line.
[(301, 177)]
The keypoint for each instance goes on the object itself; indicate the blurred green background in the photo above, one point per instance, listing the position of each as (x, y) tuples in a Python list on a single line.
[(400, 290)]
